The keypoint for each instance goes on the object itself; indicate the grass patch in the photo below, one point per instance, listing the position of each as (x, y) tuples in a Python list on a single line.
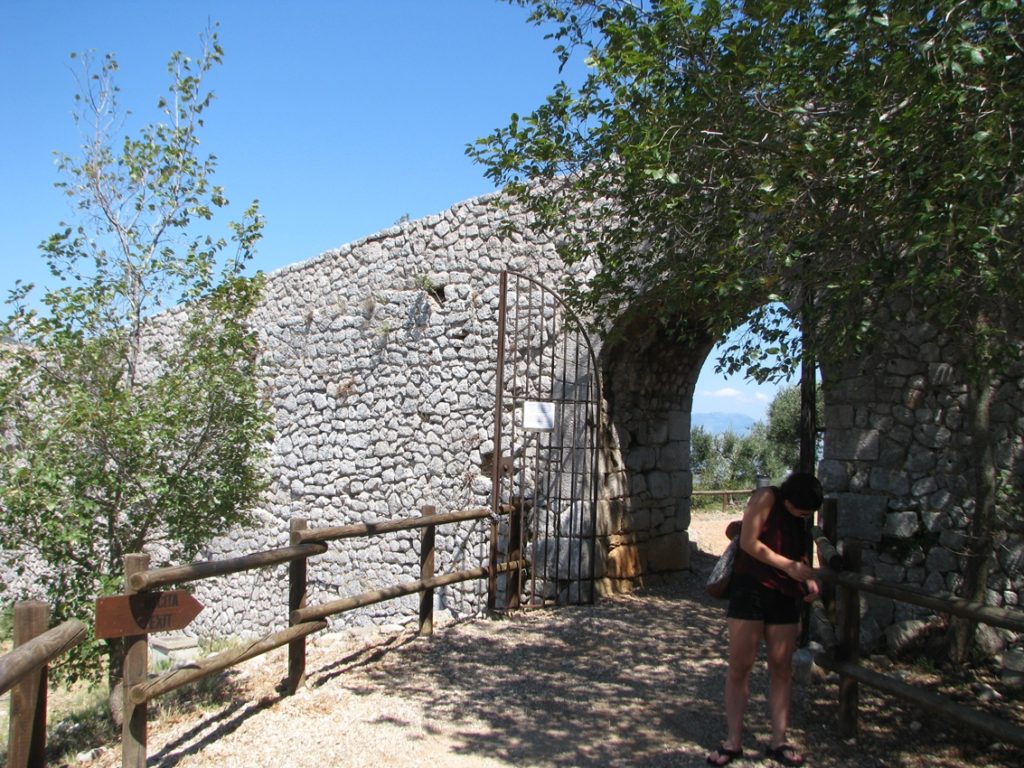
[(79, 720)]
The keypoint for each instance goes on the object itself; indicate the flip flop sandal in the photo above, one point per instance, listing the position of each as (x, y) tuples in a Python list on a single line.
[(785, 754), (725, 756)]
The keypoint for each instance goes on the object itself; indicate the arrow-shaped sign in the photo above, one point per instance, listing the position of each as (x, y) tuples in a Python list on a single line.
[(145, 612)]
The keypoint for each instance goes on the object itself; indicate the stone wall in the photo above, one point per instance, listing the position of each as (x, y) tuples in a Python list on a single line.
[(380, 371), (649, 384), (897, 460), (381, 363), (381, 360), (381, 378)]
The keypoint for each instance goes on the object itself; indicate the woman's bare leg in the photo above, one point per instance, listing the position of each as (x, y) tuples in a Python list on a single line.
[(780, 643), (744, 640)]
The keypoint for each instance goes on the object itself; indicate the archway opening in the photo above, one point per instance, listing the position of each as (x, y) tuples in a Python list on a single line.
[(744, 433), (651, 382)]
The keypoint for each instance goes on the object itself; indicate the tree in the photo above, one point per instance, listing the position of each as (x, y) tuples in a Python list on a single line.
[(707, 459), (783, 427), (124, 430), (845, 157), (770, 449)]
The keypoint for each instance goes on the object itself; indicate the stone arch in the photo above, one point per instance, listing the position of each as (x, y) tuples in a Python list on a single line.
[(380, 374), (650, 382)]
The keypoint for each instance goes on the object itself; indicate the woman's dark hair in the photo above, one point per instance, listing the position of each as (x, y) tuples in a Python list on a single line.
[(803, 490)]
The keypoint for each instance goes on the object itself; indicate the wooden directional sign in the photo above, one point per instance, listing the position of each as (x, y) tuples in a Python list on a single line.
[(145, 612)]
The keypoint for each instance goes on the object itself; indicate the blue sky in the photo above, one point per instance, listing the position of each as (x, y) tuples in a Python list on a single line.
[(339, 116)]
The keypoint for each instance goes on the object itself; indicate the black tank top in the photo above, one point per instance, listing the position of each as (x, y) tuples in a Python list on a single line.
[(783, 533)]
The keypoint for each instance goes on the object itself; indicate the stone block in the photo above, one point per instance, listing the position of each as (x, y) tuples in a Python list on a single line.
[(839, 417), (642, 458), (679, 425), (669, 553), (941, 560), (889, 481), (833, 475), (637, 484), (901, 634), (990, 641), (953, 540), (900, 525), (940, 500), (660, 485), (860, 516), (1011, 557), (674, 455), (654, 433), (853, 445), (682, 484), (638, 520), (175, 646), (623, 562)]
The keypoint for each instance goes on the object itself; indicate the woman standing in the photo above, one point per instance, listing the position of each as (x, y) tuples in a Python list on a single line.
[(771, 579)]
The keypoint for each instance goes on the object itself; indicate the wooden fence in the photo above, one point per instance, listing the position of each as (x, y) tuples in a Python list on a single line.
[(841, 573), (23, 672), (303, 619), (727, 495)]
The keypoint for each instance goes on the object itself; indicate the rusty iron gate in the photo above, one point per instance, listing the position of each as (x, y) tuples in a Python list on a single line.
[(546, 450)]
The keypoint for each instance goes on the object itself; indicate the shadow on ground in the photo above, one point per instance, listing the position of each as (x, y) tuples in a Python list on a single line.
[(634, 681), (637, 681)]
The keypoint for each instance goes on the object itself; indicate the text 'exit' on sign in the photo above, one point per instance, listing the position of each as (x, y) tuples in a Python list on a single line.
[(145, 612)]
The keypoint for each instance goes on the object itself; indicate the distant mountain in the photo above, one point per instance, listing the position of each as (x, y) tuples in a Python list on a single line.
[(718, 423)]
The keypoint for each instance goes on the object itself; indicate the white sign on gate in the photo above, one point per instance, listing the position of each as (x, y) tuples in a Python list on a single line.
[(538, 416)]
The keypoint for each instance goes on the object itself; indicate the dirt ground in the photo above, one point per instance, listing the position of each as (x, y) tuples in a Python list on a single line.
[(631, 681)]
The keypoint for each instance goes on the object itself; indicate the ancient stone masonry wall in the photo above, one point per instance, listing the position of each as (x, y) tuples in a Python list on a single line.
[(897, 460), (380, 372), (381, 361), (646, 516), (380, 364)]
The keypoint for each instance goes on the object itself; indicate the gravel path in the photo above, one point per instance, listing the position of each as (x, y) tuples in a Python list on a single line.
[(631, 681)]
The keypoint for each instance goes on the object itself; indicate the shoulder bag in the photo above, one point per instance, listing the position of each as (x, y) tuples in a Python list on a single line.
[(717, 585)]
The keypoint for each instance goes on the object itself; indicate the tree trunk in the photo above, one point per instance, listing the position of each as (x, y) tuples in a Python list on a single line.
[(808, 389), (980, 542)]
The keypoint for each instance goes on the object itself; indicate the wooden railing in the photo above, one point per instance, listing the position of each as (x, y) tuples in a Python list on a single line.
[(727, 494), (23, 672), (303, 619), (842, 573)]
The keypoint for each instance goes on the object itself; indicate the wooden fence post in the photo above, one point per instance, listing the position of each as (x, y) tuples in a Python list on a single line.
[(297, 585), (427, 537), (136, 668), (849, 643), (26, 745)]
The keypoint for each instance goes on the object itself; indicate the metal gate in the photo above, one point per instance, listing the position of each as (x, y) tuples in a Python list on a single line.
[(546, 441)]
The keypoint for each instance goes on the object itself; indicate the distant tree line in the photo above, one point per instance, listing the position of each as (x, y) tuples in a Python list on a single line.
[(770, 449)]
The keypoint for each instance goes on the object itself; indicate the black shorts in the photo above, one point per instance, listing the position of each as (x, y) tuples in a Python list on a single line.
[(750, 600)]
